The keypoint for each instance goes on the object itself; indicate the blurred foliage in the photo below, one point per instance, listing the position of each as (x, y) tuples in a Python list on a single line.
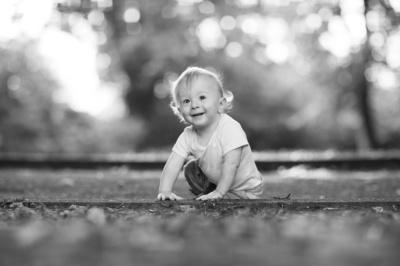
[(31, 121), (298, 70)]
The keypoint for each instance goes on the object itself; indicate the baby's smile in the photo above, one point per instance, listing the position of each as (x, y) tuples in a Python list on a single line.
[(198, 114)]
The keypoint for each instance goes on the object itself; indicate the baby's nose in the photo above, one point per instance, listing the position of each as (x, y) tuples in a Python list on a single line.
[(195, 105)]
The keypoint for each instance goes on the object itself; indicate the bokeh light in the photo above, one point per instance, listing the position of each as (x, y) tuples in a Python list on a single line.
[(131, 15), (234, 49), (304, 60), (210, 34)]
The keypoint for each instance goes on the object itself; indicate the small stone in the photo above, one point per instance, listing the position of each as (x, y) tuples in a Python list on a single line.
[(378, 209), (72, 207), (96, 216), (16, 205), (330, 209)]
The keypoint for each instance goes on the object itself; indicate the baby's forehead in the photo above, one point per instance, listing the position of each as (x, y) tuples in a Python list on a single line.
[(210, 82)]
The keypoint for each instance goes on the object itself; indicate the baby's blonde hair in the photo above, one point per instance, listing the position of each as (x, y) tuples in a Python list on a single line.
[(186, 80)]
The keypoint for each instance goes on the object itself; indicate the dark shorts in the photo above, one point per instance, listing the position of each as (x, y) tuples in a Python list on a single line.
[(199, 183)]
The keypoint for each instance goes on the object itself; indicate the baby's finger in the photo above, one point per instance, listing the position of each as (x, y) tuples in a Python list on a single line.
[(168, 196), (175, 197), (204, 197), (178, 198)]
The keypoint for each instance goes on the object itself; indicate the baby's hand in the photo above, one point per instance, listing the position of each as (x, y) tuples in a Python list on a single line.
[(168, 196), (212, 195)]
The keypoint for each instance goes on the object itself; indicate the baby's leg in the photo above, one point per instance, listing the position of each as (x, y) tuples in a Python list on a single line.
[(197, 180), (254, 193)]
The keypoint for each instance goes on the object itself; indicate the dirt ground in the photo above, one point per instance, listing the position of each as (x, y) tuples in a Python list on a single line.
[(191, 235), (122, 183)]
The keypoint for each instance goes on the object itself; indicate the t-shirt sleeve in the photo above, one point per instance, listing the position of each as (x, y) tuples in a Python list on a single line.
[(181, 146), (232, 137)]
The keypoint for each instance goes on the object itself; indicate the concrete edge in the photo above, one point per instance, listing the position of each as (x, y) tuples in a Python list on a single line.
[(292, 204)]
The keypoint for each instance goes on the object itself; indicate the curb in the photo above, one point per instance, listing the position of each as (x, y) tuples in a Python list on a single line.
[(292, 204)]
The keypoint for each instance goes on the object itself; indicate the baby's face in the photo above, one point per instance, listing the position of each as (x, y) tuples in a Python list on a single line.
[(200, 102)]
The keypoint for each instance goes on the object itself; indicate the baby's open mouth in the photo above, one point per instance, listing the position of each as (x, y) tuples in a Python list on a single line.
[(199, 114)]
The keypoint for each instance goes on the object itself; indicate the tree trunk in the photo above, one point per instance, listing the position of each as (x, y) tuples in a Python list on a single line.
[(366, 137)]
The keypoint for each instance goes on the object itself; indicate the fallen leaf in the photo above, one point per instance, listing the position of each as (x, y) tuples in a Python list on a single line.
[(378, 209), (96, 216)]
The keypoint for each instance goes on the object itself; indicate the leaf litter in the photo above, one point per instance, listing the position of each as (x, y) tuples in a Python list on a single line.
[(170, 234)]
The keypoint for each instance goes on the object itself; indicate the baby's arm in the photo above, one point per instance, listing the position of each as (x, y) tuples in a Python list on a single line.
[(168, 177), (229, 169)]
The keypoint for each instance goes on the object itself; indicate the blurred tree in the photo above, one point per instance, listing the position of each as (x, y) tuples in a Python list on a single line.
[(32, 117), (257, 45), (381, 66), (26, 108), (311, 75), (367, 135)]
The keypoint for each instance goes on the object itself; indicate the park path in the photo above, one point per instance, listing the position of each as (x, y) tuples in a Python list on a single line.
[(265, 161)]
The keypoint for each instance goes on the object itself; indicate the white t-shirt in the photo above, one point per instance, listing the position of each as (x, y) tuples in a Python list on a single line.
[(228, 136)]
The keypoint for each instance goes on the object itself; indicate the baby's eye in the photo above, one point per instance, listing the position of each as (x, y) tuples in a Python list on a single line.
[(202, 97), (186, 101)]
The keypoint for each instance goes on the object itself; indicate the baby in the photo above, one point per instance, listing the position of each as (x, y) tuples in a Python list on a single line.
[(220, 162)]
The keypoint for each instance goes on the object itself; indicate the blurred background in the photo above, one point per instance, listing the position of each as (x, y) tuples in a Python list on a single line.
[(93, 76)]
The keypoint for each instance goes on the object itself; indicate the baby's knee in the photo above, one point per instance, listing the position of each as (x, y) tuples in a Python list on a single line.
[(190, 167)]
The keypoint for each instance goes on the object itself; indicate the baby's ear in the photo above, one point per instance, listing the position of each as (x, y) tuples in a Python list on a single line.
[(222, 105)]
